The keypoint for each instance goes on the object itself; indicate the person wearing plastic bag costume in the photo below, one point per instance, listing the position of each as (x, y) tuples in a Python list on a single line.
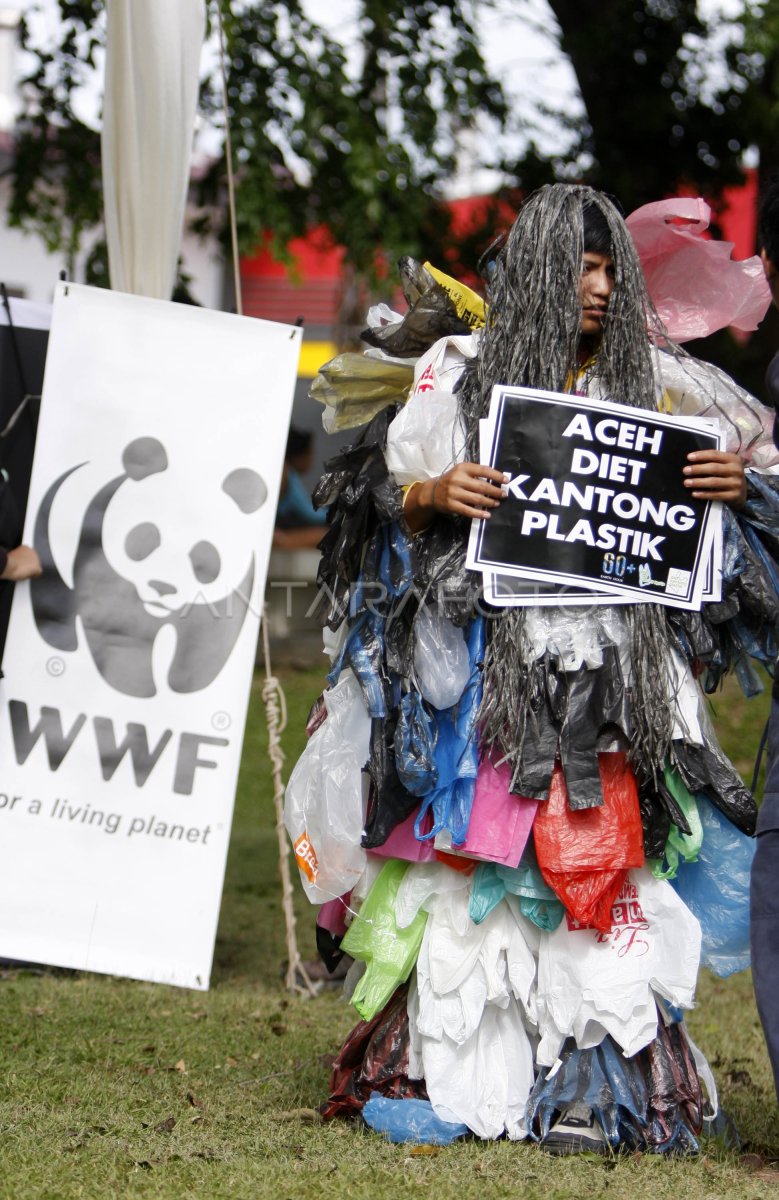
[(538, 782)]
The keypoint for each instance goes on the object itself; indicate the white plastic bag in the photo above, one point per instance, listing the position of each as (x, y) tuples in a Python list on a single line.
[(425, 438), (591, 983), (422, 886), (468, 1009), (439, 368), (441, 662), (324, 807)]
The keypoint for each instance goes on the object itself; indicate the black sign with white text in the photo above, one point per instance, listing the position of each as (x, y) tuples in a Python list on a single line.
[(595, 496)]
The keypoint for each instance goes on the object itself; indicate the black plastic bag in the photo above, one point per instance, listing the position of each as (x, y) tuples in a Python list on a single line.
[(432, 315), (388, 803), (705, 769)]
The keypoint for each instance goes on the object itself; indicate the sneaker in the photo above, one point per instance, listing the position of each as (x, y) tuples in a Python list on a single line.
[(576, 1132)]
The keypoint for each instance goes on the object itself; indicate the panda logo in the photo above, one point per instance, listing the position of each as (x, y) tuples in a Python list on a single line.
[(130, 581)]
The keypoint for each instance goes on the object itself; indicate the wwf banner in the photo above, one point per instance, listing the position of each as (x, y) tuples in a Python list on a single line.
[(595, 499), (128, 663)]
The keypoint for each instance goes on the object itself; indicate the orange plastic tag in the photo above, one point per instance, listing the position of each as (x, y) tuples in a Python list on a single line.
[(306, 857)]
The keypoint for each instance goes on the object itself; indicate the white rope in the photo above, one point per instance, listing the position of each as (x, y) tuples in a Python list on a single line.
[(296, 978), (229, 161)]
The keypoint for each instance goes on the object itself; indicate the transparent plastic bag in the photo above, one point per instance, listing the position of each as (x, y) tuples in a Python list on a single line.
[(695, 284), (324, 810), (456, 754), (697, 388), (355, 387), (414, 746), (432, 314), (441, 663)]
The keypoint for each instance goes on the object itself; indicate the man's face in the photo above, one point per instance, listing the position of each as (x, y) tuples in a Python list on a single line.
[(595, 287)]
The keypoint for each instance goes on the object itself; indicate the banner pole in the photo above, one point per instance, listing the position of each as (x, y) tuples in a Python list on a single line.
[(296, 977)]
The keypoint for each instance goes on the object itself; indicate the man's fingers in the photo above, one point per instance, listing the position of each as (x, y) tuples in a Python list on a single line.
[(721, 456), (474, 499), (721, 469), (467, 510), (481, 471)]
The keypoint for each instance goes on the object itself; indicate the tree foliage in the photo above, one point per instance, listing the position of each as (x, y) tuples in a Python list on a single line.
[(755, 58), (655, 116), (363, 139), (56, 173), (315, 140), (360, 152)]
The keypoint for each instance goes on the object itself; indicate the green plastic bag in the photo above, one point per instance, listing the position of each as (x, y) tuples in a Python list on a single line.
[(374, 937), (679, 846)]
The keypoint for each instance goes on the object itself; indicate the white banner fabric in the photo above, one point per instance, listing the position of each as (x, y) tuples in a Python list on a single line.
[(152, 65), (128, 663)]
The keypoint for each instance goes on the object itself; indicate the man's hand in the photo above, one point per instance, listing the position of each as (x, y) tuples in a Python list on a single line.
[(22, 563), (468, 490), (716, 475)]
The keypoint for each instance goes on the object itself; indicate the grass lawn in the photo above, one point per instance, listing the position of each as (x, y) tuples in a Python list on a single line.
[(117, 1088)]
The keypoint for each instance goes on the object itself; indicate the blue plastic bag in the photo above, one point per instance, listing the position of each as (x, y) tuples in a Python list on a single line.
[(456, 753), (415, 746), (537, 902), (716, 890), (410, 1121), (385, 575), (487, 891)]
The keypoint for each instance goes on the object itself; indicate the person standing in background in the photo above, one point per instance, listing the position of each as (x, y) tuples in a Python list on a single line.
[(764, 912), (299, 525)]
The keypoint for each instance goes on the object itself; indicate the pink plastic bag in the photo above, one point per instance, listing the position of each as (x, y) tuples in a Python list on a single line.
[(332, 915), (402, 843), (500, 822), (694, 283)]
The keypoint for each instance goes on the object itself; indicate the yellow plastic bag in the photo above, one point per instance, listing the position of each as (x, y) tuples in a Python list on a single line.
[(354, 388)]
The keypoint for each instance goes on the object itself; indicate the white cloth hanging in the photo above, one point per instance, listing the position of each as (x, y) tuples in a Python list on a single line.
[(151, 89)]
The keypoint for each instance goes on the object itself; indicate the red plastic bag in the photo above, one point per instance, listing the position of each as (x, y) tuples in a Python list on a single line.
[(584, 856)]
